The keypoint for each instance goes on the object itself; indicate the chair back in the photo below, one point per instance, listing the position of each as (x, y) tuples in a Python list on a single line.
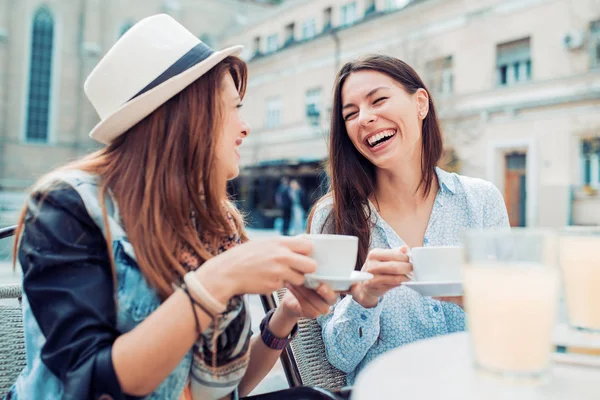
[(307, 356), (8, 231), (12, 337)]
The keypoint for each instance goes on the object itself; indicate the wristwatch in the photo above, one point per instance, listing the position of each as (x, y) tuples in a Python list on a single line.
[(269, 339)]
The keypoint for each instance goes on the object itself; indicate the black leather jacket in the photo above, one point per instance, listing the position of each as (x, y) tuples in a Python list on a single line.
[(69, 289)]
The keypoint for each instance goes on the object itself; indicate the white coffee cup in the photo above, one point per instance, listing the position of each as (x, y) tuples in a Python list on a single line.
[(335, 255), (437, 263)]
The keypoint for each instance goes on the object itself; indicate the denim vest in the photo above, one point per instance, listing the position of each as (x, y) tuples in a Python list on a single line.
[(135, 301)]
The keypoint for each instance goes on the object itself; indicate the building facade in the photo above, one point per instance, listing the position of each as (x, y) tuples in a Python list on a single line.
[(516, 84), (47, 49)]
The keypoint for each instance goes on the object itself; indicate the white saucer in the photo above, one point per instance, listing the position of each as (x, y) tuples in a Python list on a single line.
[(436, 289), (577, 347), (566, 336), (336, 283)]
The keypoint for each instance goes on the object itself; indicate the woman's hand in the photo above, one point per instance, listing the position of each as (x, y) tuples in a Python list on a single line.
[(301, 302), (389, 267), (258, 267)]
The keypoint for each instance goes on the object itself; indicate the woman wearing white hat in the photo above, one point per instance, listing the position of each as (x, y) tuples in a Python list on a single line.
[(115, 304)]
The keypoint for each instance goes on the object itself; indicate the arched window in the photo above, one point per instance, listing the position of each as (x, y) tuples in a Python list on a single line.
[(40, 76)]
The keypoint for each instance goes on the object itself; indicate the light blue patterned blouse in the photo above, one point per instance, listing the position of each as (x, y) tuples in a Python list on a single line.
[(354, 335)]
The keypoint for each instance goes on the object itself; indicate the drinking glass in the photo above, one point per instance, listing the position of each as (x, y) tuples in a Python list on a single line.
[(511, 285), (579, 255)]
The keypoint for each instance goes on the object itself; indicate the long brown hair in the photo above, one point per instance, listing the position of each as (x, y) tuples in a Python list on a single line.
[(352, 176), (161, 171)]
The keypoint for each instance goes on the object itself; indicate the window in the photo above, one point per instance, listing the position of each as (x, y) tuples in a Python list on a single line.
[(590, 160), (272, 43), (273, 112), (348, 14), (309, 29), (327, 24), (289, 34), (595, 43), (125, 27), (439, 75), (513, 62), (313, 106), (257, 44), (40, 76)]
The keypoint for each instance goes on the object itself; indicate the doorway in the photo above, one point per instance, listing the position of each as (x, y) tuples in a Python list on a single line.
[(515, 188)]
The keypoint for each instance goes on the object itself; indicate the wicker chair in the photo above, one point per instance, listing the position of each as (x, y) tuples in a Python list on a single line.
[(305, 364), (12, 341)]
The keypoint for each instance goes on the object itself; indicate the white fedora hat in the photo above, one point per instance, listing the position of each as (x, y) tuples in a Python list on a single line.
[(152, 62)]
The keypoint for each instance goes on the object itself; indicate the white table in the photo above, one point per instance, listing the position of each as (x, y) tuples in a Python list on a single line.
[(441, 368)]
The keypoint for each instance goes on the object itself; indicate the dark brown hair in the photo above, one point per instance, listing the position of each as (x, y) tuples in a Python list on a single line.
[(161, 171), (352, 176)]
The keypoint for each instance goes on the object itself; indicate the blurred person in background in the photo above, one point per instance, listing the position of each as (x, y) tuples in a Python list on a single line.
[(387, 190), (135, 263), (283, 200), (297, 196)]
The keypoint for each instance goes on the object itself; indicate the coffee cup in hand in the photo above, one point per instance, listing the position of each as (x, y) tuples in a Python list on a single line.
[(335, 254), (437, 263)]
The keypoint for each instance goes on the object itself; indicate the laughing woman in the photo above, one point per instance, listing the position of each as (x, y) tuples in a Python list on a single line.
[(133, 259), (386, 189)]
